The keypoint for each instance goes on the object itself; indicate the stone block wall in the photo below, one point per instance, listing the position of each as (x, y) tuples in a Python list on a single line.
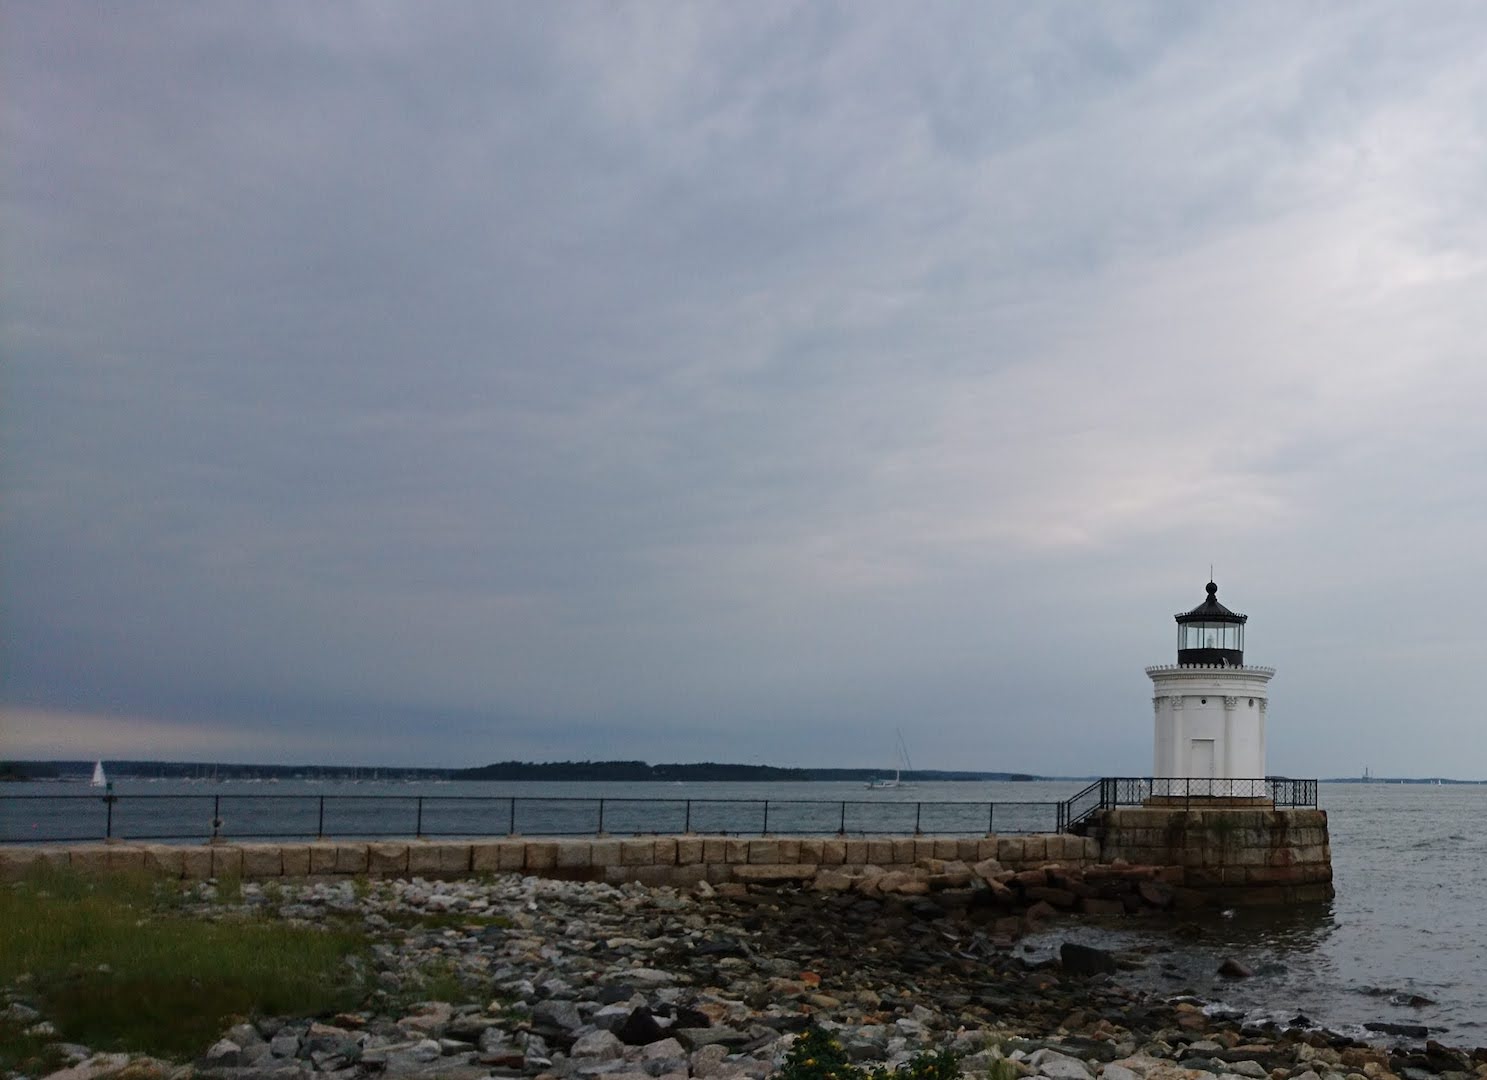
[(652, 860), (1234, 855), (1229, 855)]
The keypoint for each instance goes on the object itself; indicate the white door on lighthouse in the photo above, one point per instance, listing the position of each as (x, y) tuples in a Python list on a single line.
[(1200, 759)]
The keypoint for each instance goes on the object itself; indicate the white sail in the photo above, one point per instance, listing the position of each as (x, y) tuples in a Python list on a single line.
[(902, 753), (99, 780)]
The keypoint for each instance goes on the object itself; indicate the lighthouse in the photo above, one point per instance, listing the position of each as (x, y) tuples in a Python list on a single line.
[(1210, 706)]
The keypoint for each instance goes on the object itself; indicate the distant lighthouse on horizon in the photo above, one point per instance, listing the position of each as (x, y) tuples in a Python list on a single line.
[(1209, 707)]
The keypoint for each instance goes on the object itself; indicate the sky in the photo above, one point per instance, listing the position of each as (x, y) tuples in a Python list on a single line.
[(439, 384)]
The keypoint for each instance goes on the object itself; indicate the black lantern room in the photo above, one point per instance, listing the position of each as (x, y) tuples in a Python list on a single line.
[(1211, 633)]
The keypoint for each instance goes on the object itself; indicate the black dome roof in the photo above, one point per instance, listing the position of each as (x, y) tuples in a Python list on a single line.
[(1211, 610)]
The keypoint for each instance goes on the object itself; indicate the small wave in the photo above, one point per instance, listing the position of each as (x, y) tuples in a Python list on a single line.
[(1218, 1010), (1413, 1001)]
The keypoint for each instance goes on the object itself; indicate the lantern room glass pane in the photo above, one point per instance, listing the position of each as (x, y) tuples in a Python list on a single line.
[(1211, 635)]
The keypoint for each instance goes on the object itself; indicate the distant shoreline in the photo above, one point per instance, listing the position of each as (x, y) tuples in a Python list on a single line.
[(607, 771), (615, 771)]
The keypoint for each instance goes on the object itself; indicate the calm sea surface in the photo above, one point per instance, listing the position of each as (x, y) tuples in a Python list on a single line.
[(1405, 940)]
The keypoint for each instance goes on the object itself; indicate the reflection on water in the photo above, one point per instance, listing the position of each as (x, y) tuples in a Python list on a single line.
[(1287, 948), (1303, 929)]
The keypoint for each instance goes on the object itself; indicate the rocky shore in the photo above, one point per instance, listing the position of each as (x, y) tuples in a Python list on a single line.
[(525, 977)]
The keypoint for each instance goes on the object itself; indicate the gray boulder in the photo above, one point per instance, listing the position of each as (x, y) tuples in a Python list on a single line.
[(1084, 960), (600, 1044)]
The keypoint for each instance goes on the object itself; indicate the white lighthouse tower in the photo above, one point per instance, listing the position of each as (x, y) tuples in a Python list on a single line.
[(1210, 706)]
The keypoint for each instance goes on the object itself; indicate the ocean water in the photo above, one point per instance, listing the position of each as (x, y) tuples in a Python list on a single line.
[(1405, 940)]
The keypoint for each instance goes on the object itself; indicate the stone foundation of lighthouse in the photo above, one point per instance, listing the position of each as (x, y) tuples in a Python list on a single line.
[(1209, 720)]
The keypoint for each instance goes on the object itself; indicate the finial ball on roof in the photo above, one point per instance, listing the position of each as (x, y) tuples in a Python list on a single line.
[(1212, 589)]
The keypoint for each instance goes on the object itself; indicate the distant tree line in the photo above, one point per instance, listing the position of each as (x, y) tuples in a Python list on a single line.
[(28, 770), (697, 771), (503, 770)]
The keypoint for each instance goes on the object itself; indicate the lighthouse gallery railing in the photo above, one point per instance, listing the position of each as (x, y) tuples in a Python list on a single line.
[(1182, 791)]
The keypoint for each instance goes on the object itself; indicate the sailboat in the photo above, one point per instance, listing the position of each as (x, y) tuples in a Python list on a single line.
[(902, 753), (99, 780)]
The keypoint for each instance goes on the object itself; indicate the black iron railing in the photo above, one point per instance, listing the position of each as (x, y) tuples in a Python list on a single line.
[(49, 818), (1112, 791), (181, 817)]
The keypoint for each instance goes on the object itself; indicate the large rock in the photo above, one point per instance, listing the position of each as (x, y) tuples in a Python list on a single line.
[(1062, 899), (1155, 893), (696, 1038), (96, 1066), (1084, 960), (1056, 1066), (827, 880), (223, 1052), (893, 881), (1411, 1031), (953, 874), (431, 1018), (640, 1028), (601, 1045), (708, 1061), (987, 870), (556, 1017)]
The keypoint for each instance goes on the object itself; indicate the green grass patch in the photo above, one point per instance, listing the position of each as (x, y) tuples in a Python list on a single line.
[(818, 1056), (115, 964), (438, 980)]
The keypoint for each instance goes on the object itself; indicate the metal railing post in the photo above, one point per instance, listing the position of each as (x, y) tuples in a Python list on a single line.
[(511, 824), (418, 825), (601, 817), (108, 827), (688, 827), (991, 817), (842, 829), (320, 825), (765, 831), (918, 810)]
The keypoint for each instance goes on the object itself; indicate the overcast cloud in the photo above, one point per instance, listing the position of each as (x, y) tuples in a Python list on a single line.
[(446, 383)]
